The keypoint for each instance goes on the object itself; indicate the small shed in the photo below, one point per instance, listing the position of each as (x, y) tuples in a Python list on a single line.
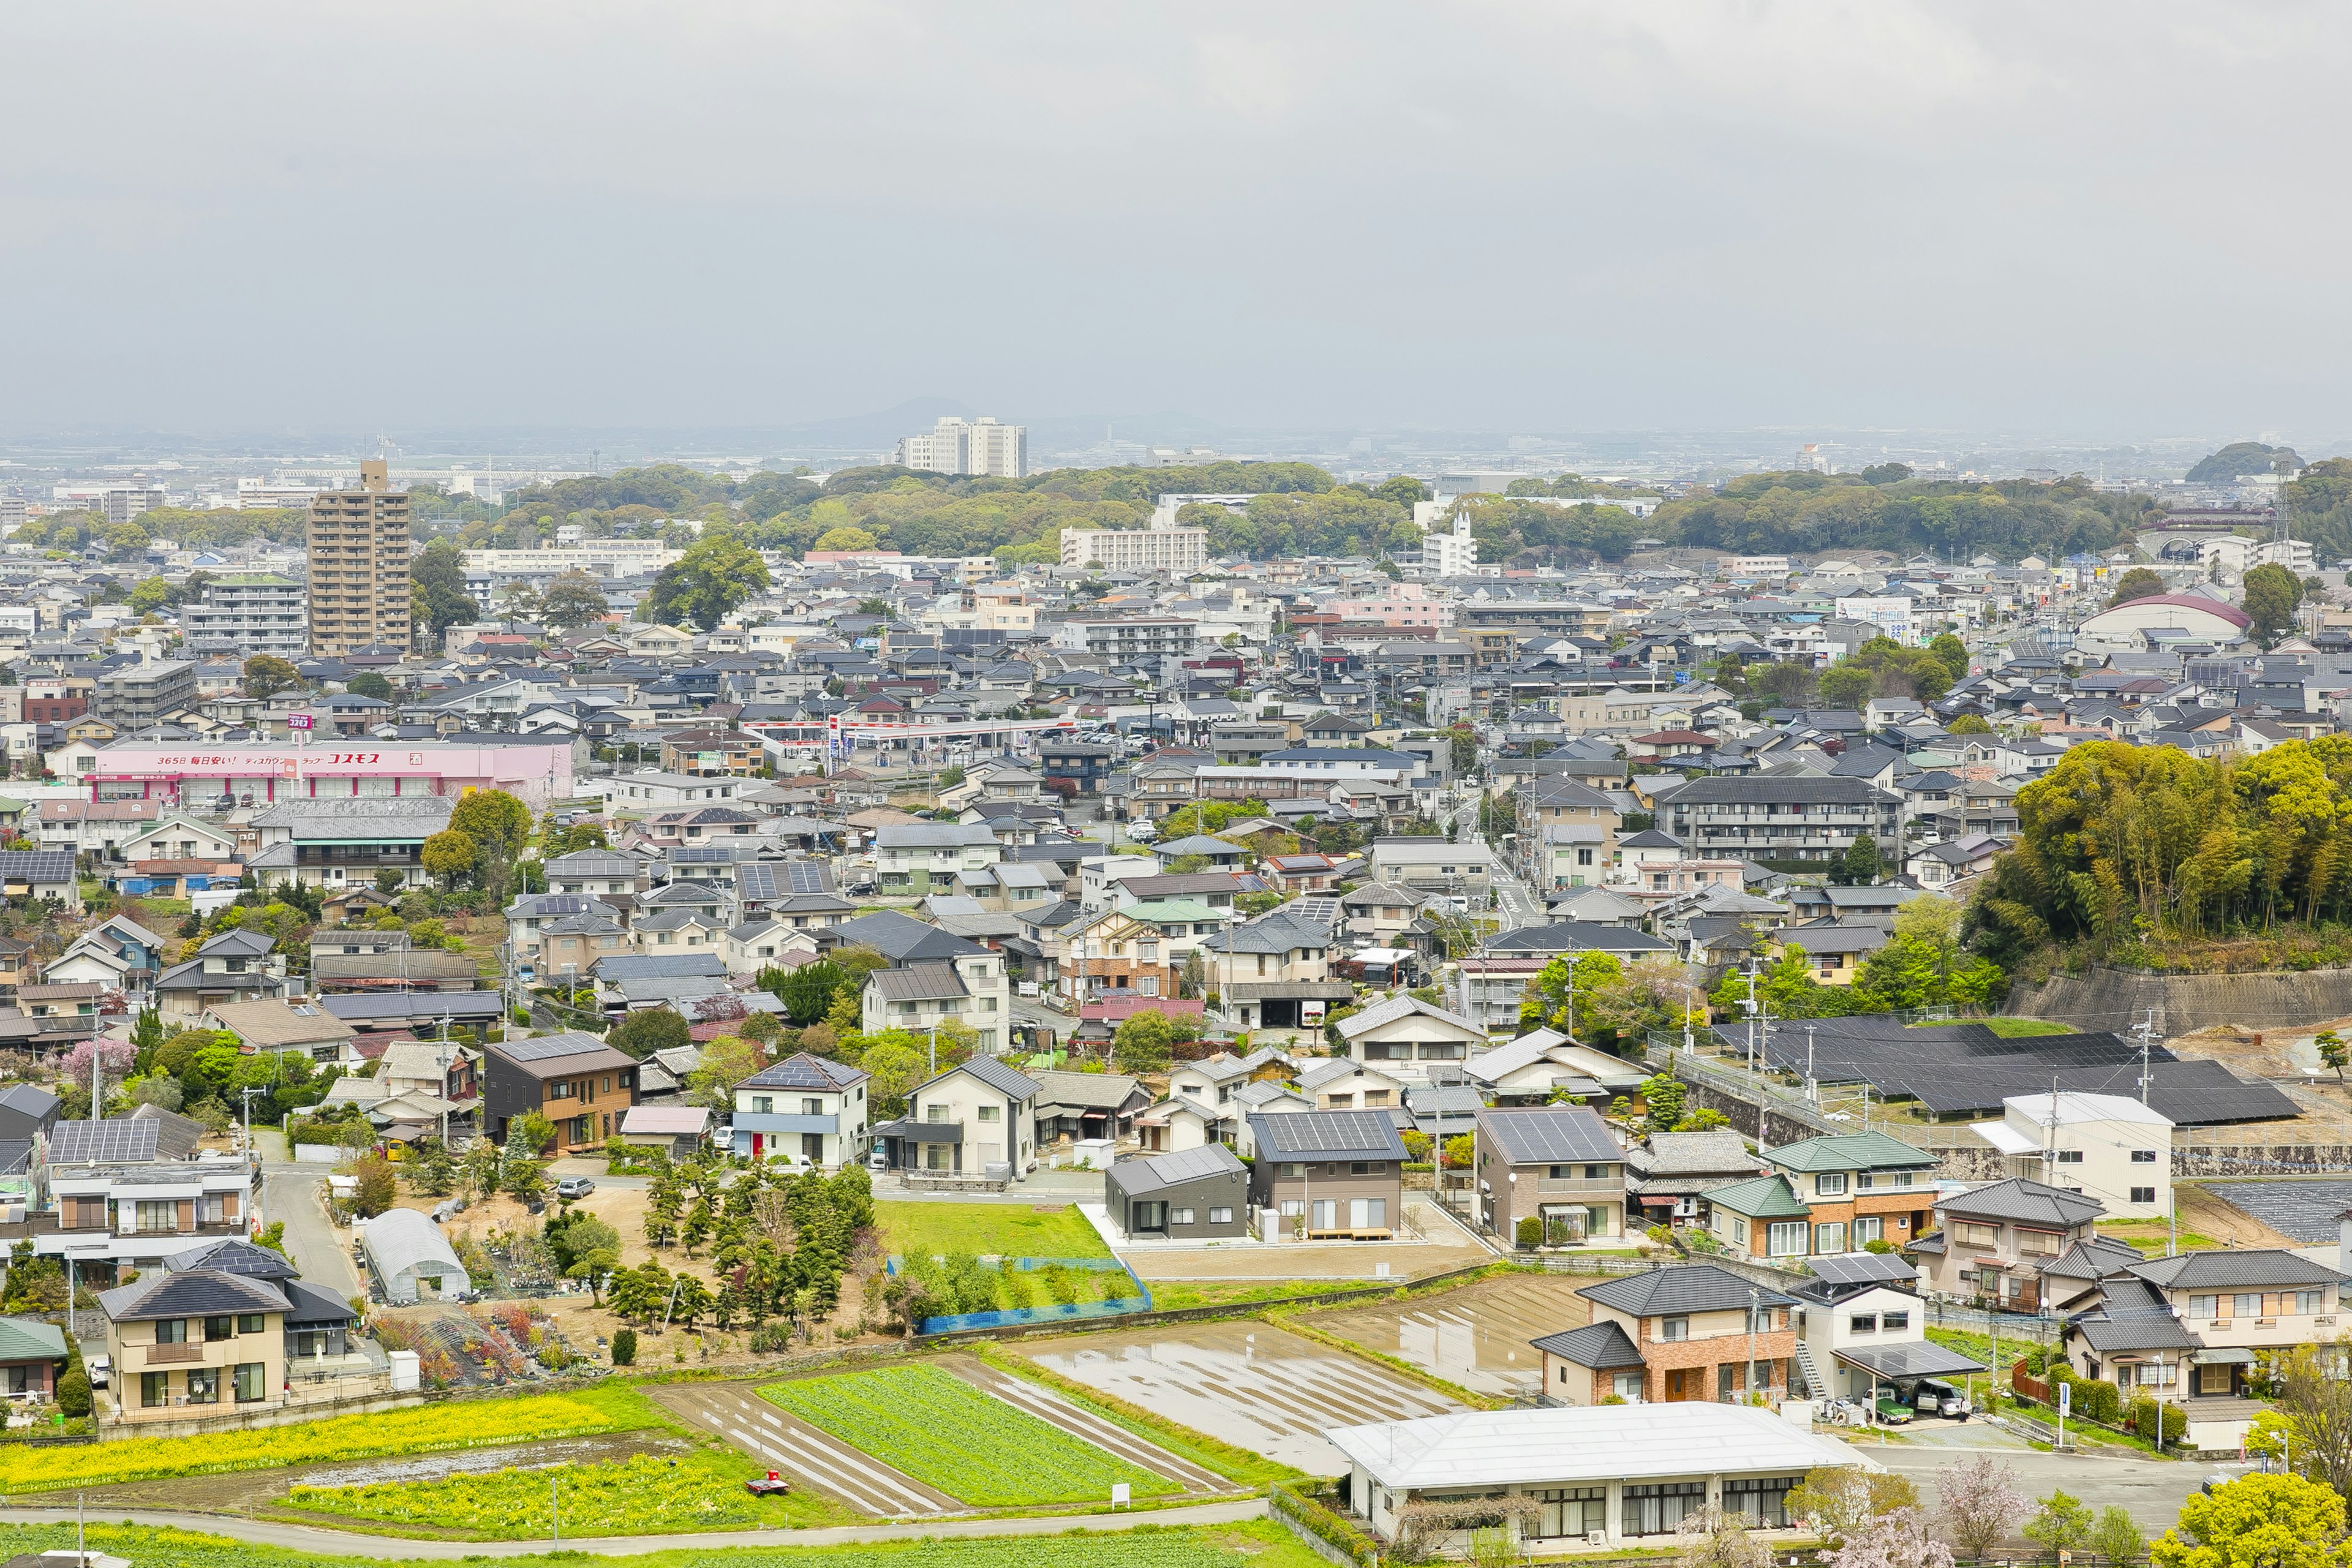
[(1195, 1194), (411, 1259), (679, 1129)]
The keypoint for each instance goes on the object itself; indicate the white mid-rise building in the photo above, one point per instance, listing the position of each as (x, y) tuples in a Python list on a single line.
[(969, 446), (2105, 1146), (249, 613), (1137, 549)]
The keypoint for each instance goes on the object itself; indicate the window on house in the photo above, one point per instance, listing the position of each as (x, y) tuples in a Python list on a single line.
[(2143, 1156), (1221, 1217), (1829, 1237), (1863, 1323), (1968, 1233), (1895, 1322), (1674, 1329), (2070, 1156), (1830, 1185), (991, 1113), (1787, 1238), (2246, 1304), (2143, 1194)]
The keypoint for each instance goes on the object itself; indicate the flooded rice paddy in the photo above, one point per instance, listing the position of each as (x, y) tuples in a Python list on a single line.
[(1477, 1336)]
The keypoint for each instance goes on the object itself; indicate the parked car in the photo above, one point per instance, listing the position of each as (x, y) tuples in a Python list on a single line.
[(571, 1189), (1895, 1412), (100, 1369), (1935, 1397), (877, 1158), (772, 1484)]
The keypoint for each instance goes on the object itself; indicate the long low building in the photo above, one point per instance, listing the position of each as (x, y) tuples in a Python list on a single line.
[(1611, 1474), (538, 772)]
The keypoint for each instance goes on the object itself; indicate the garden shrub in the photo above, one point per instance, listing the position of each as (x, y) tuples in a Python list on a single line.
[(1531, 1233), (73, 1393), (625, 1347)]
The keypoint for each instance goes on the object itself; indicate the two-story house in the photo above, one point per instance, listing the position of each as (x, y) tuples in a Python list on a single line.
[(1337, 1083), (529, 916), (806, 1108), (1140, 948), (919, 858), (598, 871), (1859, 1187), (1994, 1241), (195, 1341), (1672, 1177), (974, 1122), (129, 1192), (1560, 1166), (1567, 832), (2198, 1325), (1862, 1326), (1693, 1331), (1329, 1173), (234, 966), (1409, 1038), (1274, 972), (574, 1079)]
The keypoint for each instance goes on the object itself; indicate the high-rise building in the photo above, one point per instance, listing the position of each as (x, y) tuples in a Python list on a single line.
[(126, 502), (974, 447), (359, 565)]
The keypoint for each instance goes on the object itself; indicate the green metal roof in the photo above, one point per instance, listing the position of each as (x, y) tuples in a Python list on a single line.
[(1850, 1151), (1760, 1197), (29, 1339)]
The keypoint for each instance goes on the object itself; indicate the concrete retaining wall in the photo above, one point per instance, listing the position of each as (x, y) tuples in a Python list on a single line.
[(2117, 999)]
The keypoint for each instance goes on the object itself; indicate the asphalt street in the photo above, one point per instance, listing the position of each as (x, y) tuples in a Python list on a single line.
[(297, 1195), (2151, 1490)]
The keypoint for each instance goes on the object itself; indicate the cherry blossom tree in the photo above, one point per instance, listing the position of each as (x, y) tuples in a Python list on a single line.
[(1981, 1503), (1898, 1539)]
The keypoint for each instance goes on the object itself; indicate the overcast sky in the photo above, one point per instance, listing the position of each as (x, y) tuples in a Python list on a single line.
[(2106, 220)]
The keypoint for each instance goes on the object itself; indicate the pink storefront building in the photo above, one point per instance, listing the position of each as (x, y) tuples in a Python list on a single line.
[(198, 778)]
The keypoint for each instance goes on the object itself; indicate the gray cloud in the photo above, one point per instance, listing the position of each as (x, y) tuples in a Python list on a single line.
[(2103, 219)]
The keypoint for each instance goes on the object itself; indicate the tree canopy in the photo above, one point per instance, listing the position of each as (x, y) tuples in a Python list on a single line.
[(715, 574), (2245, 459)]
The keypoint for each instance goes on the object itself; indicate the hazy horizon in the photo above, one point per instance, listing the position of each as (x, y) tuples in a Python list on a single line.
[(2087, 226)]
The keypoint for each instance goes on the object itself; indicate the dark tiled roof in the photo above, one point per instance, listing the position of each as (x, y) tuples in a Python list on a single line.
[(2235, 1270), (2024, 1203), (1688, 1288), (1564, 1133), (1602, 1346), (1329, 1134), (189, 1294)]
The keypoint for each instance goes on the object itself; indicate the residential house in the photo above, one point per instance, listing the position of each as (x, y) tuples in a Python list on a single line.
[(1693, 1331), (923, 858), (1995, 1242), (1782, 817), (278, 1028), (1408, 1038), (1078, 1106), (1670, 1176), (1862, 1326), (32, 1358), (575, 1080), (1202, 1193), (1858, 1188), (234, 966), (973, 1123), (803, 1109), (1338, 1083), (1560, 1166), (1329, 1173), (1275, 972), (130, 1191)]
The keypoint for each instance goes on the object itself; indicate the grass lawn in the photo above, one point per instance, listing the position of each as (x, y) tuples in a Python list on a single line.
[(2014, 1028), (1258, 1543), (971, 1446), (420, 1429), (1014, 1230), (645, 1494), (1168, 1295), (2150, 1234)]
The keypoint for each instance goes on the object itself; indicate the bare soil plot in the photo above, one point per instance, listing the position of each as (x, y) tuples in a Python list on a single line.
[(1252, 1385), (1475, 1335)]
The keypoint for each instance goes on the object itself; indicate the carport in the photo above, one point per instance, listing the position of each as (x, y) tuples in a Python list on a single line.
[(898, 1139), (1903, 1365)]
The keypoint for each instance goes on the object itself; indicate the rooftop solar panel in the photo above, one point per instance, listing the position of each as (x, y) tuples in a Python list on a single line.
[(37, 865), (701, 855), (809, 876), (572, 1042), (102, 1143), (755, 879)]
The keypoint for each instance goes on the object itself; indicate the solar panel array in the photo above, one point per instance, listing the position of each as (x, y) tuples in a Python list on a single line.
[(809, 876), (37, 865), (755, 880), (1860, 1268), (570, 1043), (101, 1143), (1955, 1069), (701, 855)]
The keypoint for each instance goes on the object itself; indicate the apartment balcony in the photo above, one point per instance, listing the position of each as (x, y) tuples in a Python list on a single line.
[(173, 1355), (1610, 1188)]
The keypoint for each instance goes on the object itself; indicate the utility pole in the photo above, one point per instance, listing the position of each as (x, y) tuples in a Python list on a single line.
[(1755, 1305), (2146, 1030), (1812, 1088)]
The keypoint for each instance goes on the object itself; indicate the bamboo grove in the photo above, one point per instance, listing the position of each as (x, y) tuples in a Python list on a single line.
[(2119, 844)]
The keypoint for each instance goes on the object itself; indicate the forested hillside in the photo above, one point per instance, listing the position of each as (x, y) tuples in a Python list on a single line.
[(1885, 509), (2138, 849)]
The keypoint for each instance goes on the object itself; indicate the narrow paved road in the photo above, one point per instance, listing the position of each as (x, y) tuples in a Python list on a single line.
[(2151, 1490), (341, 1543), (297, 1195)]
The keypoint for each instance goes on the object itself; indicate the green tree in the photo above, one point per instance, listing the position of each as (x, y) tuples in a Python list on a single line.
[(647, 1030), (808, 991), (2257, 1521), (265, 675), (726, 1061), (1969, 725), (715, 574), (2062, 1523), (896, 1069), (499, 826), (2333, 1052), (449, 854), (438, 598), (375, 1190), (151, 595), (1859, 866), (1141, 1044), (1845, 686), (572, 600), (2139, 582), (2271, 594), (369, 683), (1664, 1097), (2116, 1537), (1950, 652)]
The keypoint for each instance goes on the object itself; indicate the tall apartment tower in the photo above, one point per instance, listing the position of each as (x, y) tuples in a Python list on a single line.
[(359, 565), (979, 447)]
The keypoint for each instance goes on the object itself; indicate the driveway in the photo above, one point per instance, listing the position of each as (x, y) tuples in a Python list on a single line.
[(297, 1195), (2152, 1491)]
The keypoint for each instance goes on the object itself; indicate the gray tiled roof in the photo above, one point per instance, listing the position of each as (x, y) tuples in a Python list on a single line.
[(2026, 1203), (2235, 1269), (1688, 1288), (1602, 1346), (918, 982), (1002, 1077), (189, 1294)]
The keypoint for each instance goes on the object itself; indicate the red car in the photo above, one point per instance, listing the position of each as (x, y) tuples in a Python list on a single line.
[(773, 1485)]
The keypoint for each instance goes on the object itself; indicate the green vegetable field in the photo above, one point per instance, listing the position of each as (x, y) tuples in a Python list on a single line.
[(935, 1230), (945, 1433), (645, 1494)]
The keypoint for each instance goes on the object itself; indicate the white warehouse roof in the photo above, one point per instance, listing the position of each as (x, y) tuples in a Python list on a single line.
[(1571, 1445), (2073, 1107)]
